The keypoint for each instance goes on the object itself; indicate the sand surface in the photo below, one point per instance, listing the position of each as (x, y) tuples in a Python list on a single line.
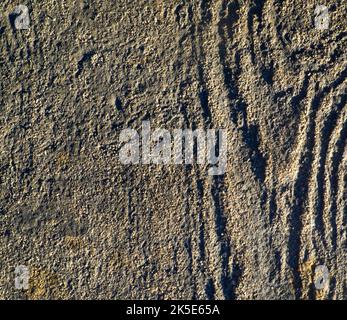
[(90, 227)]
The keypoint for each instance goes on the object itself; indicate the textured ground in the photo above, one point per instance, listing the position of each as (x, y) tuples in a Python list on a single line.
[(90, 227)]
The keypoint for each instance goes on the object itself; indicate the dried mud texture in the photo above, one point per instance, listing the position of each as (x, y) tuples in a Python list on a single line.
[(89, 227)]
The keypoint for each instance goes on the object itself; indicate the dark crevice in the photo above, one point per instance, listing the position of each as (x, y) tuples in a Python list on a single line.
[(227, 277), (257, 159), (210, 290), (327, 130), (272, 206), (205, 11), (239, 110), (268, 74), (202, 250), (254, 11), (296, 100), (336, 160), (85, 58)]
